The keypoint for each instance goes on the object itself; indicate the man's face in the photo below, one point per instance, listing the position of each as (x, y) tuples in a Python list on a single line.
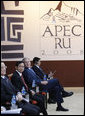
[(3, 69), (27, 63), (20, 67), (39, 63)]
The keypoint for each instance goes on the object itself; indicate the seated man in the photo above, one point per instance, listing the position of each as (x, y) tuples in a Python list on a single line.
[(40, 73), (18, 81), (46, 86), (8, 90)]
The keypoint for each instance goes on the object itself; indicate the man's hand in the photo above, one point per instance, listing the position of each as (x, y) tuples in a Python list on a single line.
[(50, 74), (19, 97), (44, 82), (33, 92)]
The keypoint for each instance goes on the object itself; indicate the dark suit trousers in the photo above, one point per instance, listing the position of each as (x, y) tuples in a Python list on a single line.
[(51, 93), (28, 108), (53, 85)]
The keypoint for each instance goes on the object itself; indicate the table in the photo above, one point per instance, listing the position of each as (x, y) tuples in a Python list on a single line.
[(14, 111)]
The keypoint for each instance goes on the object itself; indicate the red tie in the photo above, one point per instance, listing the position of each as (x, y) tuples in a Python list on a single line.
[(24, 83)]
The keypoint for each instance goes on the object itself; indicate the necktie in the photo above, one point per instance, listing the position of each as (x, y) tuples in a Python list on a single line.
[(24, 83)]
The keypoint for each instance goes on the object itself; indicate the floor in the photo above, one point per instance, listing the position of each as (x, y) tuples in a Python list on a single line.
[(75, 103)]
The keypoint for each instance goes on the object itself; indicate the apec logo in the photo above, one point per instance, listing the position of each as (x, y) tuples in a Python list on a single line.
[(62, 27)]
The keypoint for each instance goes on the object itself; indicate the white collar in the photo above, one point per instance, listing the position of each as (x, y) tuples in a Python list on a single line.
[(19, 73), (37, 66), (3, 77)]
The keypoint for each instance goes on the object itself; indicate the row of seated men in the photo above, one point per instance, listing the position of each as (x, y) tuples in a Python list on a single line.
[(23, 76)]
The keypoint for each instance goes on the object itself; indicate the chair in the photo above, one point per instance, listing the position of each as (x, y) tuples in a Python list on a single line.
[(45, 98), (10, 76)]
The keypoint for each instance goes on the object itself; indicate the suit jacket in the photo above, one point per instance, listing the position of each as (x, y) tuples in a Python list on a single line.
[(7, 90), (39, 71), (29, 76), (17, 81)]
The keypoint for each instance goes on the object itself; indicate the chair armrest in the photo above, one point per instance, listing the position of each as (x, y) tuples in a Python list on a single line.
[(34, 102)]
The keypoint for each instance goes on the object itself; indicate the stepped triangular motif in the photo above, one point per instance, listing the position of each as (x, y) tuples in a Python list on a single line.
[(59, 6)]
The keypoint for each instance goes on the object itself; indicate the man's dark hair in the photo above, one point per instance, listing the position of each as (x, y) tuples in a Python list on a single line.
[(18, 62), (35, 60)]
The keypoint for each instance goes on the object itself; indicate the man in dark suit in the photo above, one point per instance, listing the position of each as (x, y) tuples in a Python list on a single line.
[(8, 90), (30, 75), (41, 74), (19, 82)]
